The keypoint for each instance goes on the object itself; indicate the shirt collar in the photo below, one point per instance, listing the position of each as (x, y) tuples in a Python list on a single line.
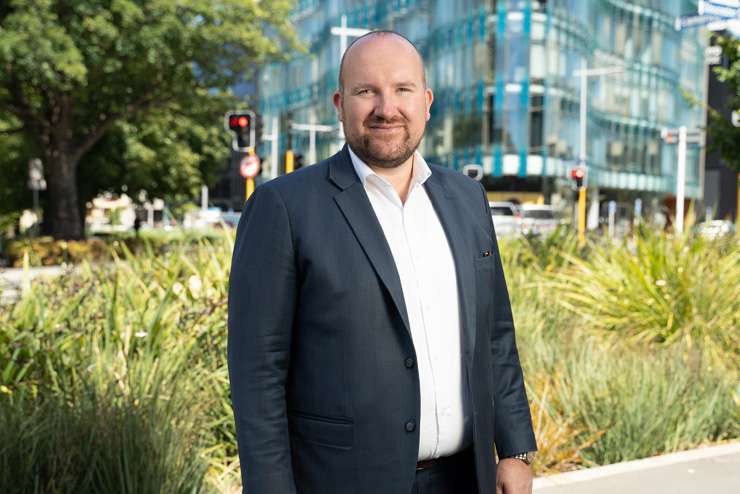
[(420, 174)]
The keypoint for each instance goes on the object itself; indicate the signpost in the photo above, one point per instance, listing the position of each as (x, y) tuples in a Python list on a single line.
[(36, 180), (682, 136)]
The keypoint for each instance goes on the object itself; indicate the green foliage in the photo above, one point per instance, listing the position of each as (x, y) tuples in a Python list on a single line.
[(660, 289), (45, 251), (724, 137), (129, 358), (606, 388), (113, 378), (128, 92)]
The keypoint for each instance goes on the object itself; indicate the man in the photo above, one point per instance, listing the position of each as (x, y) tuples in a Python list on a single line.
[(371, 342)]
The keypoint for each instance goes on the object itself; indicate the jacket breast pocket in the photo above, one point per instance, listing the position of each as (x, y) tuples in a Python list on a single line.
[(484, 262), (332, 432)]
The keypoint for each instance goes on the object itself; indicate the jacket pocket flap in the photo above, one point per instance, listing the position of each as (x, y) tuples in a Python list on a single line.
[(324, 431)]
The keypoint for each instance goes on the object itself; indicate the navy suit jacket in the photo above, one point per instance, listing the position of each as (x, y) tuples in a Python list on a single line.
[(324, 384)]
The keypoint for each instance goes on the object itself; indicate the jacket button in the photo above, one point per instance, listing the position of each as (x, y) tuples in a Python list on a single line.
[(409, 363), (410, 426)]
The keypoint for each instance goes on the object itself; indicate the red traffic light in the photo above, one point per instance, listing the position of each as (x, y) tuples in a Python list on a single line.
[(577, 173), (238, 122)]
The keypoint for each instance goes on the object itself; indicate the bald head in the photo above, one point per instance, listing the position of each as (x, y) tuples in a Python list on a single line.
[(366, 39)]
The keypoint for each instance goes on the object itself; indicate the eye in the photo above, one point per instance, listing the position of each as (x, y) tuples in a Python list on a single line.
[(404, 89), (361, 92)]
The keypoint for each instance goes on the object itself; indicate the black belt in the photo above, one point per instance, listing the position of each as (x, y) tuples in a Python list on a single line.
[(437, 462)]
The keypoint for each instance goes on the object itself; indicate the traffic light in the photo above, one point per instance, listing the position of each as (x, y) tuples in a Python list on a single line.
[(298, 161), (578, 174), (243, 124)]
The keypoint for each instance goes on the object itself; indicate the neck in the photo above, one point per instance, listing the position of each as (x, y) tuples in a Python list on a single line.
[(398, 176)]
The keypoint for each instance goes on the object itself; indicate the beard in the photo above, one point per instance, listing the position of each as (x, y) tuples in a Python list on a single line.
[(380, 151)]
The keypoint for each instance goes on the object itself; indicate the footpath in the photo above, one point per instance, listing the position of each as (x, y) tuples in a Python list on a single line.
[(14, 280), (711, 470)]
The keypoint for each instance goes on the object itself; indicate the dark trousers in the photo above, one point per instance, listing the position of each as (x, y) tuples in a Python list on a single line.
[(451, 475)]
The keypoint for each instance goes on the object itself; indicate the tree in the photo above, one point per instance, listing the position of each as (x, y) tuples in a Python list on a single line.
[(725, 137), (78, 75)]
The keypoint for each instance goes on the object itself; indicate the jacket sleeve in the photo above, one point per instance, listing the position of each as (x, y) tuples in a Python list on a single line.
[(513, 421), (262, 294)]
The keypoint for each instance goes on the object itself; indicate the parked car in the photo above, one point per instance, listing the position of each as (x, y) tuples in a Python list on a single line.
[(539, 219), (505, 218), (714, 229)]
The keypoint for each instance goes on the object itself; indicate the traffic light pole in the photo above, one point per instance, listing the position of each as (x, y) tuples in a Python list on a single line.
[(582, 215), (248, 188), (584, 73)]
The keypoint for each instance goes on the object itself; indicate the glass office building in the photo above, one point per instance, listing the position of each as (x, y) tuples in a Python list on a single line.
[(507, 94)]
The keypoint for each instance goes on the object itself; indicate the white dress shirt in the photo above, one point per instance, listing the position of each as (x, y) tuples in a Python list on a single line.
[(426, 268)]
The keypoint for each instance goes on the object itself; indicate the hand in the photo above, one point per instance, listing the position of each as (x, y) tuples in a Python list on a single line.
[(513, 477)]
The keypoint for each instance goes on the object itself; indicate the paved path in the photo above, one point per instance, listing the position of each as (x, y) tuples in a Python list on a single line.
[(713, 470), (13, 280)]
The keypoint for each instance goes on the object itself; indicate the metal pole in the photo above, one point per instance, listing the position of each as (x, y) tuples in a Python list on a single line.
[(289, 161), (582, 155), (612, 217), (275, 170), (248, 188), (582, 216), (343, 37), (703, 149), (680, 179), (584, 99)]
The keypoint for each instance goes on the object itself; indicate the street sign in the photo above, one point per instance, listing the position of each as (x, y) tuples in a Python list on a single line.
[(249, 166), (670, 136), (713, 55), (688, 21), (726, 9), (36, 175)]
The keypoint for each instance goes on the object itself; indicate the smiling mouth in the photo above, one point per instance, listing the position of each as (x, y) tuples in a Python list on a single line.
[(384, 128)]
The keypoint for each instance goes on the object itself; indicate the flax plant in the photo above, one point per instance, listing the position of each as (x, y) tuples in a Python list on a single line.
[(114, 379), (660, 290)]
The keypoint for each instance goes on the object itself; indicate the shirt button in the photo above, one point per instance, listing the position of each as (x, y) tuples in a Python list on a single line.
[(409, 363), (410, 426)]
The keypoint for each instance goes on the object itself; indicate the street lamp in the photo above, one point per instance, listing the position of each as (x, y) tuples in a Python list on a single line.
[(345, 32)]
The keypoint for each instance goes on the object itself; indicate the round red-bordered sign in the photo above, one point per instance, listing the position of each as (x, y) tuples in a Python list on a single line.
[(249, 166)]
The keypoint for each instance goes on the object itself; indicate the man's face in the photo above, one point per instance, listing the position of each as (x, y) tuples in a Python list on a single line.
[(383, 104)]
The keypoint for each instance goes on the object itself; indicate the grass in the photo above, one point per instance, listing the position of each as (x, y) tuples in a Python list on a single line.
[(113, 378)]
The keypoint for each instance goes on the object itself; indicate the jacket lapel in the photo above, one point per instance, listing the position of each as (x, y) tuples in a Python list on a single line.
[(356, 208), (448, 213)]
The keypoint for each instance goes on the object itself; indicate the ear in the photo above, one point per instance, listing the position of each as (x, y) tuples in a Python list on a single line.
[(429, 98), (337, 100)]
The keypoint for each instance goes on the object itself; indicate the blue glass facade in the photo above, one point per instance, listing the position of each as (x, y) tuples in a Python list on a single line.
[(506, 96)]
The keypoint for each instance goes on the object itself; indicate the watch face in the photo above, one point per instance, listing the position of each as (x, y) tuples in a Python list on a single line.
[(530, 456)]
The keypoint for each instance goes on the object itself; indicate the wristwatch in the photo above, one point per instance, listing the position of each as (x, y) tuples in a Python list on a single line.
[(527, 457)]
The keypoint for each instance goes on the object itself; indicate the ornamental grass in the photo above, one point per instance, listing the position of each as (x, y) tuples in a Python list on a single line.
[(113, 376)]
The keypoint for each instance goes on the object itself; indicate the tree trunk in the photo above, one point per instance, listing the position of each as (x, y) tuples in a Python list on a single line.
[(61, 216)]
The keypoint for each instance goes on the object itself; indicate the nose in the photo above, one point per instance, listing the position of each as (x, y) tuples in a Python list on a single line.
[(385, 106)]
